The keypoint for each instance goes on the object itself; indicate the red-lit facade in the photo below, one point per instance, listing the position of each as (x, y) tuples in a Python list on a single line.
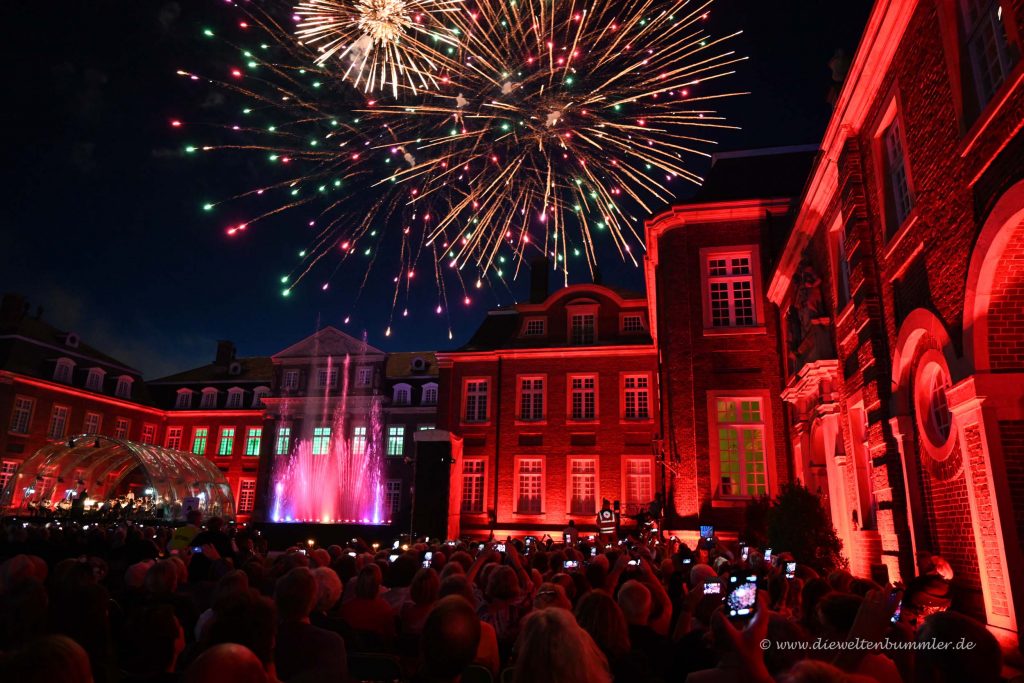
[(554, 407)]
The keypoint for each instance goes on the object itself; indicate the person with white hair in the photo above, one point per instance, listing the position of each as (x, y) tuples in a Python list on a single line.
[(553, 648)]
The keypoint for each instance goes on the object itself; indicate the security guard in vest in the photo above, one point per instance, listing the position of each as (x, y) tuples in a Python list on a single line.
[(606, 523)]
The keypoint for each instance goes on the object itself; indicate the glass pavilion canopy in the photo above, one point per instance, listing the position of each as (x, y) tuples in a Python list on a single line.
[(104, 469)]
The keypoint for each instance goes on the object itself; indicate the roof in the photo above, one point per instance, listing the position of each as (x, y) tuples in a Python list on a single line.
[(400, 364), (23, 345), (757, 174), (251, 369), (328, 341)]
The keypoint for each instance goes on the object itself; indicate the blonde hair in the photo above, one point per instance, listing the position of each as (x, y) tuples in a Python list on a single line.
[(552, 648)]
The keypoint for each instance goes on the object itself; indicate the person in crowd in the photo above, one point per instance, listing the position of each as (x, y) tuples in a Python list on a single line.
[(634, 599), (570, 534), (227, 663), (367, 613), (836, 613), (423, 593), (982, 663), (49, 659), (925, 595), (451, 637), (249, 620), (487, 653), (303, 650), (181, 540), (151, 642), (553, 648)]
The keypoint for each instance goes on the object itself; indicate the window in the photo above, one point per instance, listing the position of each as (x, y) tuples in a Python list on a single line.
[(184, 400), (124, 387), (730, 282), (235, 397), (899, 199), (358, 443), (476, 400), (21, 416), (632, 323), (583, 483), (284, 440), (535, 327), (842, 267), (122, 425), (258, 394), (402, 395), (364, 376), (639, 484), (63, 371), (253, 436), (530, 482), (531, 398), (174, 435), (636, 397), (209, 399), (58, 422), (396, 441), (7, 470), (739, 425), (199, 437), (291, 380), (989, 49), (934, 417), (227, 441), (430, 394), (321, 440), (392, 496), (581, 328), (149, 434), (92, 423), (473, 486), (246, 495), (583, 397), (327, 377), (94, 379)]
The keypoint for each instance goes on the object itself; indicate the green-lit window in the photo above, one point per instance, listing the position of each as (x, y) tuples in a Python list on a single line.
[(252, 440), (358, 440), (199, 437), (227, 441), (396, 440), (321, 440), (741, 450), (284, 440)]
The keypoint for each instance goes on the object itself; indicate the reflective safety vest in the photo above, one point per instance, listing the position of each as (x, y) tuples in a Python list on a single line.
[(606, 521)]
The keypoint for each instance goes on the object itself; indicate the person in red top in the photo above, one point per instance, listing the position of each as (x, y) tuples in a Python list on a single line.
[(368, 613)]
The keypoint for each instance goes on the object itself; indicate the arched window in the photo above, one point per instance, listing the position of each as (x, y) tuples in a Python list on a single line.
[(209, 399), (184, 400), (430, 394), (64, 370), (235, 397), (402, 395), (94, 380), (124, 387), (258, 394)]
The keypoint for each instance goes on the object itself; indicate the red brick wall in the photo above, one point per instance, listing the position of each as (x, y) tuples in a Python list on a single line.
[(1006, 309), (1012, 436)]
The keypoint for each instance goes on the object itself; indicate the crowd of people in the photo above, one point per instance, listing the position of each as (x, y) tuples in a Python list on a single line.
[(129, 603)]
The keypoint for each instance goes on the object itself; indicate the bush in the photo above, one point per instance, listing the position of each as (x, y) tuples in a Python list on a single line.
[(798, 523)]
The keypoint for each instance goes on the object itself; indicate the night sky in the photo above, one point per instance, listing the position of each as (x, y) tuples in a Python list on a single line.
[(102, 223)]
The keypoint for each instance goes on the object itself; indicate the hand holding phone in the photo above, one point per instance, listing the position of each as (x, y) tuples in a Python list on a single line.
[(791, 570), (742, 599), (712, 587)]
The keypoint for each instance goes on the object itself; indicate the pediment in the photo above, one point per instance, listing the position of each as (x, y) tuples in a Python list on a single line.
[(330, 341)]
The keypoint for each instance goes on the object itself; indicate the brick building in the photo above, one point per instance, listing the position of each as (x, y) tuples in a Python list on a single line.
[(717, 335), (902, 291), (554, 405)]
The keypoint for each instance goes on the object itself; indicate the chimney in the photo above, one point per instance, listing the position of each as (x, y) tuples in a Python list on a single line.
[(13, 309), (225, 352), (539, 279)]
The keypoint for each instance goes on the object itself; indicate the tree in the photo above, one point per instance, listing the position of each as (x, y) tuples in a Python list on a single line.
[(798, 523)]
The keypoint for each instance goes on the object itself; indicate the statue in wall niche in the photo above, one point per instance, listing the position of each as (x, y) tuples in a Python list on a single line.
[(808, 300)]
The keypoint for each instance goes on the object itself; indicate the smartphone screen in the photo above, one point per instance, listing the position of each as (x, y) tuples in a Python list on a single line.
[(593, 551), (712, 588), (428, 556), (744, 553), (351, 554), (742, 599), (392, 557), (500, 547), (571, 564), (790, 570), (767, 555), (707, 532), (634, 563)]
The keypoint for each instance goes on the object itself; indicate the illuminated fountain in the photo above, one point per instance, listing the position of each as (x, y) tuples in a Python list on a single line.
[(329, 480)]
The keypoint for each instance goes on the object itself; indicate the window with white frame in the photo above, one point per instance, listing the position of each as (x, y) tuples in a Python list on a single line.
[(364, 376), (7, 470), (430, 394), (639, 484), (246, 495), (898, 184), (475, 400), (92, 423), (64, 370), (535, 327), (235, 397), (327, 378), (583, 486), (148, 434), (58, 422), (227, 441), (124, 387), (253, 437), (283, 446), (396, 440), (636, 397), (258, 394), (991, 54), (531, 398), (94, 379), (200, 435), (321, 440), (122, 426), (21, 415), (632, 323), (934, 416), (583, 397), (358, 442), (739, 429), (392, 496), (473, 485), (174, 435), (402, 395), (290, 380), (530, 485), (209, 399), (730, 283), (582, 328), (184, 399)]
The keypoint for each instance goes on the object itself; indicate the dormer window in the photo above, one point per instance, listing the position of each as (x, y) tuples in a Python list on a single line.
[(235, 397), (64, 370), (632, 323), (235, 369), (582, 328), (124, 387), (94, 380), (418, 364), (430, 394), (209, 399), (402, 395), (535, 327), (258, 394), (184, 400), (71, 340)]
